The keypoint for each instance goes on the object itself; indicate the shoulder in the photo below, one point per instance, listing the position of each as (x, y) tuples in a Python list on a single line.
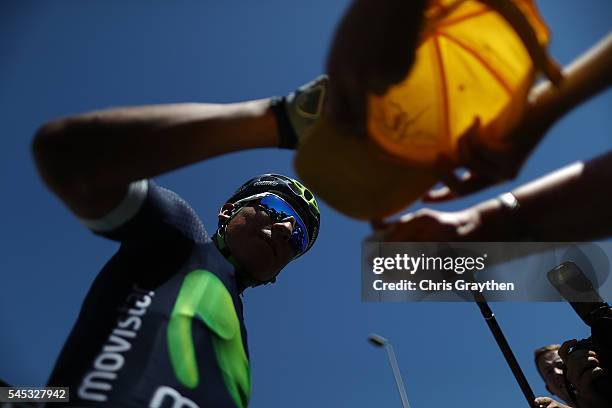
[(149, 211)]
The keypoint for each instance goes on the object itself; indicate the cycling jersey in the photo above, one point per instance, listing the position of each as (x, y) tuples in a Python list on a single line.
[(162, 324)]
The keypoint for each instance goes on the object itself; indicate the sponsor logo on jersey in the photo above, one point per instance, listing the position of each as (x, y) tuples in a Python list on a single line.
[(99, 379), (203, 296), (165, 395)]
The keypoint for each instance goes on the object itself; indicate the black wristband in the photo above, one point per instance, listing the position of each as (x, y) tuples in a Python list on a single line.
[(287, 137)]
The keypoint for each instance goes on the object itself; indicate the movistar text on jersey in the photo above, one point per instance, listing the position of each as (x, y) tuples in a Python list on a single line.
[(99, 380), (430, 285), (412, 264)]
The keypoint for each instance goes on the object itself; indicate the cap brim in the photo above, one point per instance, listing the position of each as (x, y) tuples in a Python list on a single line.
[(353, 177)]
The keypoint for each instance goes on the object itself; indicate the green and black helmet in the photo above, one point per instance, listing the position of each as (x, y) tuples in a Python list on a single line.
[(292, 191)]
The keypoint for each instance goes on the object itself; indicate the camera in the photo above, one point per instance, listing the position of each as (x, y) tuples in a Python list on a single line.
[(578, 290)]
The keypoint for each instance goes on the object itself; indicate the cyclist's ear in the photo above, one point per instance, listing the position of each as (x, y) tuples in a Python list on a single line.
[(225, 212)]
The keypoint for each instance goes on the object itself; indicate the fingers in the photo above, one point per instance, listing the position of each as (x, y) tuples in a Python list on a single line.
[(457, 187), (484, 171), (546, 402), (543, 402), (564, 349), (439, 195), (479, 158), (483, 160), (408, 228), (445, 170), (583, 366), (422, 226)]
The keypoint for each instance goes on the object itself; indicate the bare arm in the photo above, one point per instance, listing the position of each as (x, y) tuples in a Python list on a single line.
[(570, 204), (89, 160), (586, 76)]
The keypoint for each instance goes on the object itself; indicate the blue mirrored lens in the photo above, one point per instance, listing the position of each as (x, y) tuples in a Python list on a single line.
[(278, 209)]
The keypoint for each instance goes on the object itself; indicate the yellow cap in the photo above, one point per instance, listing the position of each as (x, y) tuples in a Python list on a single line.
[(470, 63), (352, 176)]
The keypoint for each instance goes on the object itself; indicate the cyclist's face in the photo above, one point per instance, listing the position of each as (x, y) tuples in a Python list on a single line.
[(257, 242)]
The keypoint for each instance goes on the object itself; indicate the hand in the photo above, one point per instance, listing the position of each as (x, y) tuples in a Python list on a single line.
[(488, 166), (486, 221), (429, 226), (299, 111), (583, 368), (546, 402)]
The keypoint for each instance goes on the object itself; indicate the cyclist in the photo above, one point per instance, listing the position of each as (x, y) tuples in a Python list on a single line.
[(162, 324)]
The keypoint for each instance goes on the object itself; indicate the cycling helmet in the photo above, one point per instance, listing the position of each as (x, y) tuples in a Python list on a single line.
[(292, 191)]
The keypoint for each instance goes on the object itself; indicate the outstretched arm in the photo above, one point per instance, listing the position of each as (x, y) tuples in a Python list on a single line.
[(584, 78), (89, 160), (570, 204)]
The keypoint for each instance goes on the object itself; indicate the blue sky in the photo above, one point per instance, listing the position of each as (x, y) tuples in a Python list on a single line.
[(308, 332)]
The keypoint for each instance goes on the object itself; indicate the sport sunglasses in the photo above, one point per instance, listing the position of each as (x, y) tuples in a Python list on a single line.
[(279, 210)]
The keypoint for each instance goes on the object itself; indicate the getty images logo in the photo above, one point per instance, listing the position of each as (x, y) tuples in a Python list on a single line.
[(413, 264)]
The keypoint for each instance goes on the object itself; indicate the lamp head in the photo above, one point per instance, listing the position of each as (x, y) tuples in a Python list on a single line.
[(376, 340)]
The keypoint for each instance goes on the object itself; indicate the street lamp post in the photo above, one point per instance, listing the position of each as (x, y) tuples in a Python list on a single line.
[(380, 341)]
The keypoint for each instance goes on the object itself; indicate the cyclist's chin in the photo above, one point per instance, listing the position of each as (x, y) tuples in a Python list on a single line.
[(265, 276), (258, 256), (261, 265)]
